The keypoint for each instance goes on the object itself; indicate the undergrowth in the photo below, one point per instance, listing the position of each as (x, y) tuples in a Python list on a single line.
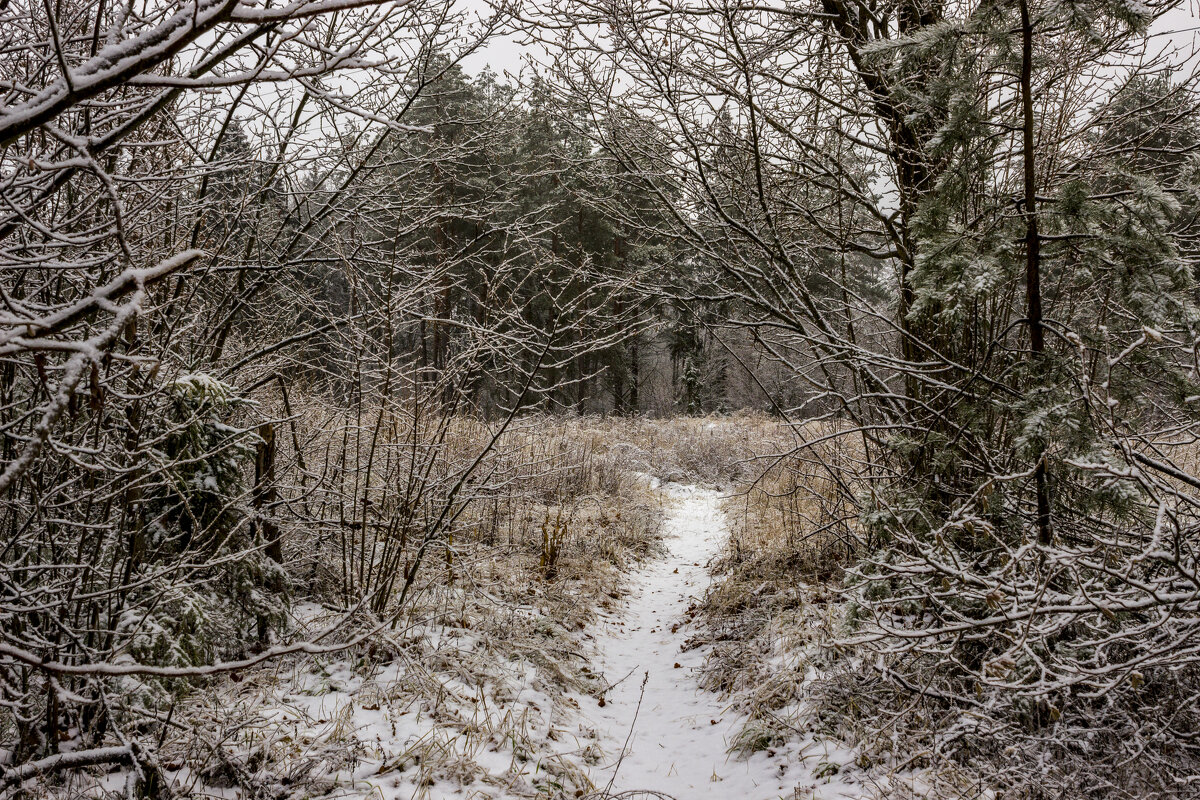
[(469, 685)]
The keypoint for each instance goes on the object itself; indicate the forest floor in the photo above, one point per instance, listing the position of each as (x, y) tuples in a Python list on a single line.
[(678, 646), (521, 704)]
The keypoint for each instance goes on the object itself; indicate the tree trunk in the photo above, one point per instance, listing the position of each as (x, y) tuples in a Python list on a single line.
[(1033, 257)]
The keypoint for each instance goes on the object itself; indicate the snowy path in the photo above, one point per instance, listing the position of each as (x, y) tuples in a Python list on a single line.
[(681, 733)]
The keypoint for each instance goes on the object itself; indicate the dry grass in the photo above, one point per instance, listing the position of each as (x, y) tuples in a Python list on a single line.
[(492, 640), (771, 611)]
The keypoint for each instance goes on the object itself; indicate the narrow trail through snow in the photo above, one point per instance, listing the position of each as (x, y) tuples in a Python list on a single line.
[(681, 733)]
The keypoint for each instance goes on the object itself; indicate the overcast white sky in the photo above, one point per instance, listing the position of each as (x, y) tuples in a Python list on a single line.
[(1180, 27), (503, 54)]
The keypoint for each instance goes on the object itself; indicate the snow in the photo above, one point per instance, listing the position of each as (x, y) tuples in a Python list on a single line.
[(679, 734), (373, 737), (451, 720)]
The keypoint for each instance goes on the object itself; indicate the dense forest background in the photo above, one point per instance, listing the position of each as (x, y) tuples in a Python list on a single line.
[(507, 182)]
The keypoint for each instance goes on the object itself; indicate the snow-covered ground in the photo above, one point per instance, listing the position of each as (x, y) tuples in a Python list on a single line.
[(452, 718), (673, 735)]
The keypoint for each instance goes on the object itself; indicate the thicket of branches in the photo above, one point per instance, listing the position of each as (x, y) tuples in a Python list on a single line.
[(260, 265), (276, 284), (971, 228)]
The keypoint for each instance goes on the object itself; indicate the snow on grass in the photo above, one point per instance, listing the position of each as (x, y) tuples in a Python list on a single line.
[(463, 715), (450, 717), (674, 736)]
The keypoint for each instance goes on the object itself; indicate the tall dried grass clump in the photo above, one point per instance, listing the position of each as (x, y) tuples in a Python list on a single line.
[(771, 614)]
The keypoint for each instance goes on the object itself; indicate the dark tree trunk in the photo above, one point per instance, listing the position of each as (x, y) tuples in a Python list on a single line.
[(1033, 256)]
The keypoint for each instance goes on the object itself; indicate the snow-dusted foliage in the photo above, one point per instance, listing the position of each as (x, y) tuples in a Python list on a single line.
[(250, 324), (971, 229), (288, 301)]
